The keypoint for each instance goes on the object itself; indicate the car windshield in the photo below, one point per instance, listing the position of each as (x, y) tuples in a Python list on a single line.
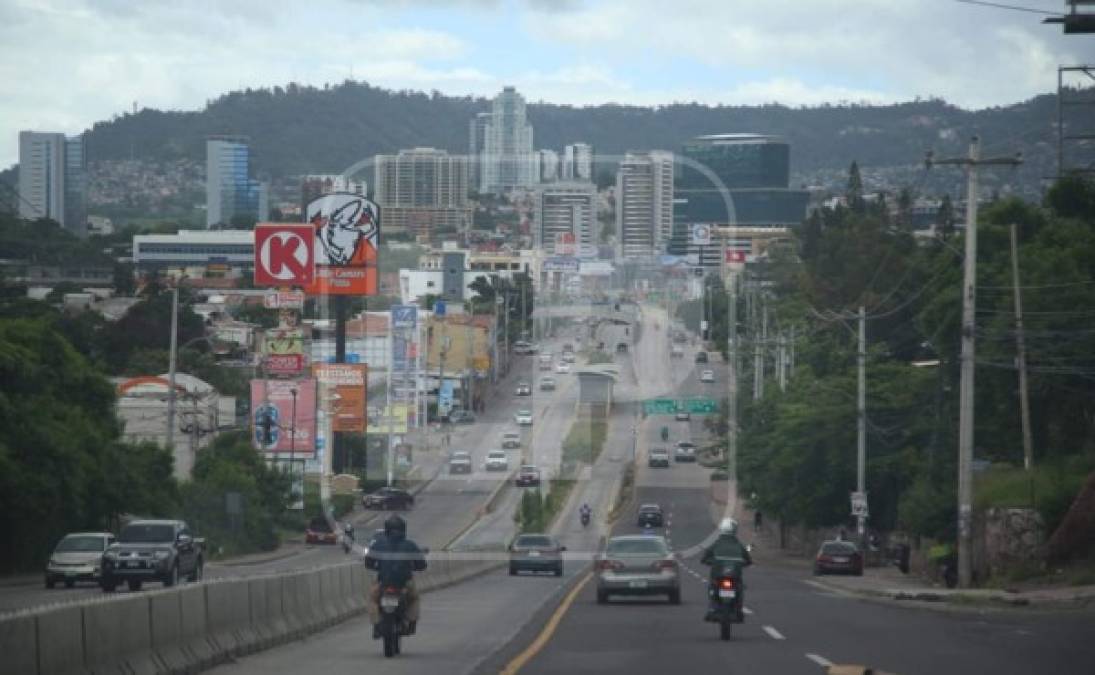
[(319, 524), (81, 543), (460, 457), (838, 548), (647, 546), (533, 541), (141, 533)]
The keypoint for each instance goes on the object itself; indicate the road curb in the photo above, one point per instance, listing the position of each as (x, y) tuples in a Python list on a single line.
[(483, 510), (955, 600)]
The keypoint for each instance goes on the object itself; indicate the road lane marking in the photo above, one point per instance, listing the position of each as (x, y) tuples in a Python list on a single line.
[(773, 633), (748, 611), (548, 631), (819, 660)]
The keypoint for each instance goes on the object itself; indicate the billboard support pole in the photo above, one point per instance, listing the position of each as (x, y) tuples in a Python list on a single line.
[(337, 462), (388, 401)]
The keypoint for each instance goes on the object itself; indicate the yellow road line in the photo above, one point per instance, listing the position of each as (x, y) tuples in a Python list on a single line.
[(541, 640)]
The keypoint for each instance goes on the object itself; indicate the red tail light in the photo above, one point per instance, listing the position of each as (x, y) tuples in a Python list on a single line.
[(726, 584), (391, 590), (824, 558), (610, 565), (668, 564)]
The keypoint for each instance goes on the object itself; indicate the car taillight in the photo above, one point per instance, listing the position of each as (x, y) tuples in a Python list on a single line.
[(726, 584), (614, 565), (824, 558), (665, 565)]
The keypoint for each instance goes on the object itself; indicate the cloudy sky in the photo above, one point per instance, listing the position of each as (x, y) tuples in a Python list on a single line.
[(65, 64)]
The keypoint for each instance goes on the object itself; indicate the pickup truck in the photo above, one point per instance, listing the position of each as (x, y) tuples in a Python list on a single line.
[(152, 550)]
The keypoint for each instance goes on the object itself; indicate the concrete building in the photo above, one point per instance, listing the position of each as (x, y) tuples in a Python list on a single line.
[(644, 204), (53, 179), (565, 208), (507, 162), (578, 162), (194, 248), (546, 166), (423, 191), (477, 145), (448, 272), (315, 186), (229, 189)]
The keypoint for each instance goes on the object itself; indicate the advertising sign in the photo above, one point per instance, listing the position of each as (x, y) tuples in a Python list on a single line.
[(390, 420), (346, 228), (349, 382), (444, 397), (283, 364), (701, 234), (274, 431), (404, 317), (565, 243), (859, 504), (284, 254), (283, 300), (283, 340), (561, 264), (735, 256), (403, 353)]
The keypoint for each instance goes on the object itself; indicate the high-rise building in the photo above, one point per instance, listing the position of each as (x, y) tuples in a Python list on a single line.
[(565, 208), (53, 179), (507, 150), (315, 186), (546, 166), (578, 162), (229, 189), (744, 183), (644, 204), (422, 190), (477, 145)]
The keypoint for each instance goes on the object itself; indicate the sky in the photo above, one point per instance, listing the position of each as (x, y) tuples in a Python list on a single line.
[(65, 64)]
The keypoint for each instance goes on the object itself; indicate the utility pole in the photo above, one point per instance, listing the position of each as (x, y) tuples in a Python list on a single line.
[(861, 421), (389, 401), (1021, 353), (171, 365), (758, 355), (791, 365), (972, 165), (732, 382)]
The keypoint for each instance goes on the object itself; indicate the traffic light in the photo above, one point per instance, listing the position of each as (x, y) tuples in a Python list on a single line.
[(265, 428)]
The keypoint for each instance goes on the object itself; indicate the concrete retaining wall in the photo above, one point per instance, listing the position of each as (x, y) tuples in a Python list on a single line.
[(195, 626)]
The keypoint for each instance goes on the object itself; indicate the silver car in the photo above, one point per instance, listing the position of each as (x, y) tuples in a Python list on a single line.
[(638, 565), (77, 557)]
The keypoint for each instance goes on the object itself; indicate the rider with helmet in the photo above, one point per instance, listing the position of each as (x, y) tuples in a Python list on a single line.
[(727, 555), (395, 559)]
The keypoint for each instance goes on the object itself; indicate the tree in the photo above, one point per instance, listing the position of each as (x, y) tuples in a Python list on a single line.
[(904, 209), (124, 283), (1072, 197), (944, 217), (853, 193), (147, 325)]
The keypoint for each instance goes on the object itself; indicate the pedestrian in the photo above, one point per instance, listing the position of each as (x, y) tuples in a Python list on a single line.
[(758, 521)]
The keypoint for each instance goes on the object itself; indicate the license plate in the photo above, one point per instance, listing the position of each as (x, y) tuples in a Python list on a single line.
[(132, 563), (534, 554), (637, 584), (728, 594), (389, 602), (70, 574), (840, 559)]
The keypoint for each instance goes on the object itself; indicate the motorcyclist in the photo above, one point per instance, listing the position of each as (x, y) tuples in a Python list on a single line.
[(395, 559), (727, 556), (585, 512)]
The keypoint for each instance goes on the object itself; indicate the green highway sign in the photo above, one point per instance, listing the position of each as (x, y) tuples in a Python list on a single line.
[(660, 406), (701, 406)]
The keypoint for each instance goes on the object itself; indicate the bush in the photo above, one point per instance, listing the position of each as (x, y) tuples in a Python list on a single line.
[(1050, 488), (583, 443)]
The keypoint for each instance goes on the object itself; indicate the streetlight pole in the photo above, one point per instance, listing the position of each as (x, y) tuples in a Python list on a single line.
[(861, 422), (293, 448), (172, 358)]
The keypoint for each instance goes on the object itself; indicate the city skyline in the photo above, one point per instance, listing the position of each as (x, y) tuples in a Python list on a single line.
[(575, 52)]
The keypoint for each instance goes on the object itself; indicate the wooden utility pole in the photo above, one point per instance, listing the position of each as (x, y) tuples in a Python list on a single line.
[(1021, 353)]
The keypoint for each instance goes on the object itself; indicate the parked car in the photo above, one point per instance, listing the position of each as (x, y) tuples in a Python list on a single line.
[(77, 557), (319, 531), (523, 389), (701, 357), (547, 383), (562, 367), (511, 439), (522, 347), (460, 462), (707, 376), (637, 565), (536, 553), (528, 476), (683, 416), (650, 515), (152, 550), (461, 416), (523, 417), (621, 347), (656, 457), (496, 461), (684, 452), (388, 498), (838, 557), (569, 357)]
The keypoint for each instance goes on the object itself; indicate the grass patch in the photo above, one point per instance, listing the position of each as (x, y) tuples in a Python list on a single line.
[(597, 357), (1050, 488), (623, 497), (536, 512), (583, 443)]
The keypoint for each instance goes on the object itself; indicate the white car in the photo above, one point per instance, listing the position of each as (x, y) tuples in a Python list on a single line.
[(496, 461), (523, 417), (707, 376), (511, 439), (562, 367)]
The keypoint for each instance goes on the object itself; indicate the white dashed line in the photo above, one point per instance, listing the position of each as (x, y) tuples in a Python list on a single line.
[(748, 611), (773, 633), (820, 660)]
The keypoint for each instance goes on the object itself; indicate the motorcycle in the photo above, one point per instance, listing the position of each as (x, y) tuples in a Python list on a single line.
[(724, 604), (585, 518), (347, 538), (393, 608), (665, 433)]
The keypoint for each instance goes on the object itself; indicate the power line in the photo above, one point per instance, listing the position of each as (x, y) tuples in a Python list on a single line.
[(1015, 8)]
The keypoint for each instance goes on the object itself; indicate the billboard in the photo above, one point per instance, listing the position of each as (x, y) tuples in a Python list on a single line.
[(565, 243), (391, 419), (561, 263), (274, 431), (347, 234), (284, 254), (444, 397), (283, 350), (701, 234), (404, 317), (349, 381)]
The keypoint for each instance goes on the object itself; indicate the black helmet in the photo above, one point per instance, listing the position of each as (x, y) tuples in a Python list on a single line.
[(394, 524)]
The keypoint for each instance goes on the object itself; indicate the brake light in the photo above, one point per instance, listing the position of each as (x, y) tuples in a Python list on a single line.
[(726, 584), (665, 565), (824, 558), (614, 565)]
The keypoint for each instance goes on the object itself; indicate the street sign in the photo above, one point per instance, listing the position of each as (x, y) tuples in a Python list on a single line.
[(283, 300), (439, 308), (660, 406), (284, 254), (561, 263), (404, 316), (859, 504), (283, 364), (701, 234), (701, 405)]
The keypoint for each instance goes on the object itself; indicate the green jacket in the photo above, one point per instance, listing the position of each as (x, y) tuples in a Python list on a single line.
[(726, 552)]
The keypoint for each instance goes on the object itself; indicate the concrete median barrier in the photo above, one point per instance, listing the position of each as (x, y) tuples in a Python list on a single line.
[(165, 614), (60, 640), (19, 630), (193, 628), (118, 633), (228, 613)]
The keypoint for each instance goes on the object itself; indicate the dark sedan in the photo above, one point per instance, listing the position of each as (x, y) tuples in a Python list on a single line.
[(650, 515), (536, 553), (838, 557), (387, 498)]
